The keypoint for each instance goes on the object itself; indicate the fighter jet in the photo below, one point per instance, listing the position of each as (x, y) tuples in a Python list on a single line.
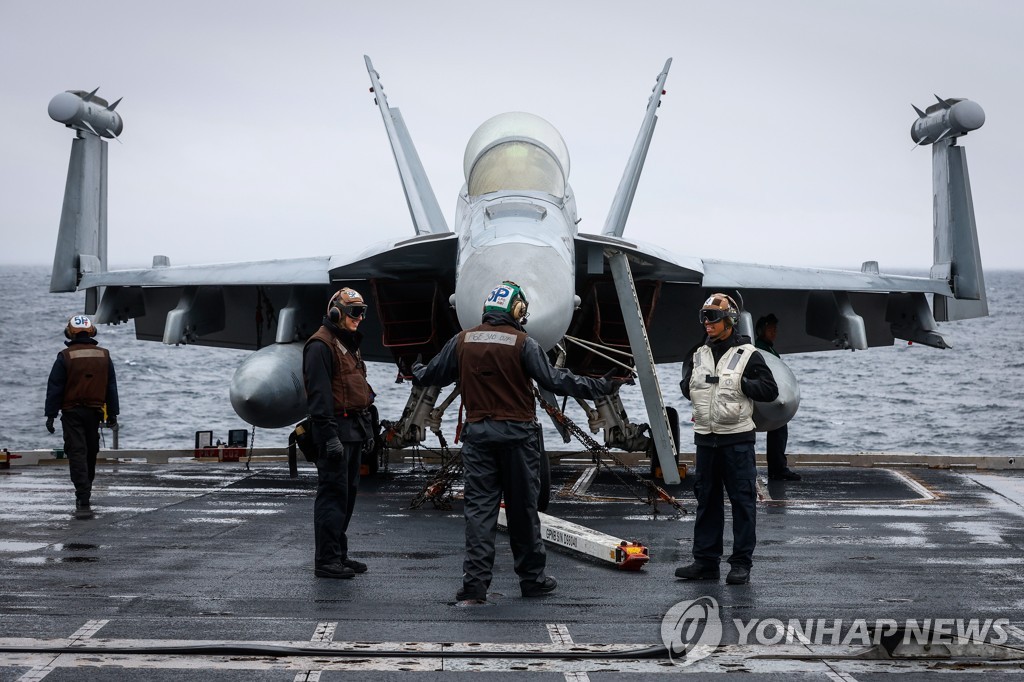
[(597, 302)]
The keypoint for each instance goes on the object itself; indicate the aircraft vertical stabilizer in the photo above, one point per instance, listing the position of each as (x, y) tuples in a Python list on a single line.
[(619, 211), (82, 237), (419, 195), (957, 255)]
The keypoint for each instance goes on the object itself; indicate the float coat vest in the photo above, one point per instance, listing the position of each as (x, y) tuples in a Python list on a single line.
[(492, 380), (719, 405), (87, 369), (348, 380)]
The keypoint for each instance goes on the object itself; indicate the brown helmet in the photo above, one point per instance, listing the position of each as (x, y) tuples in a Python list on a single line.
[(720, 307), (79, 324), (347, 301)]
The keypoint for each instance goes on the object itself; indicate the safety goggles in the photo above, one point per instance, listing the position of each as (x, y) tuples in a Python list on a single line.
[(356, 312), (712, 315)]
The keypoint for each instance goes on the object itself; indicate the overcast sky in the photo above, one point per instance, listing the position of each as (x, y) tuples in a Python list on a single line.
[(250, 133)]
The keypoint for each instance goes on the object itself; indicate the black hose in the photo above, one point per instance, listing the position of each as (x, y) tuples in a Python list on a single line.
[(284, 651)]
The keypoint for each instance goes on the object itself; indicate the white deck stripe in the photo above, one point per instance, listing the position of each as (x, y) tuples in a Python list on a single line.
[(38, 672), (324, 634), (559, 634), (840, 677), (88, 630)]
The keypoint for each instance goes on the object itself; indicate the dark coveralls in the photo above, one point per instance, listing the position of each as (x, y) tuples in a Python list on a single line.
[(728, 459), (501, 455), (81, 380), (337, 476), (777, 438)]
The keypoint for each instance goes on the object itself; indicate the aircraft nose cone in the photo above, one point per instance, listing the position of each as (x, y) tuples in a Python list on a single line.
[(546, 279), (266, 389)]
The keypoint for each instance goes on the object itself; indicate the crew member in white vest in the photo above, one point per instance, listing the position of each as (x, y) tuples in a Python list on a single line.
[(722, 378)]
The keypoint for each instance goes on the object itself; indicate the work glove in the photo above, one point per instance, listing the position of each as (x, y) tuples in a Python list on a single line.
[(49, 425), (613, 383), (334, 448), (417, 365)]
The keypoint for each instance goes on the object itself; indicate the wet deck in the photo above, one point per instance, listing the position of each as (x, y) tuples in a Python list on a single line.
[(194, 566)]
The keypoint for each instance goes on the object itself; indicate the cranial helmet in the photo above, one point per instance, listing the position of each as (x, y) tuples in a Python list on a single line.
[(507, 297), (763, 323), (79, 324), (347, 301), (720, 307)]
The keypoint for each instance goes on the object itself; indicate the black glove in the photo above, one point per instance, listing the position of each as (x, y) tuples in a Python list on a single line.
[(613, 383), (333, 447), (49, 425)]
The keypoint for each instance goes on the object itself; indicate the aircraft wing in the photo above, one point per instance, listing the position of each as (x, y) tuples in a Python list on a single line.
[(253, 304), (818, 309)]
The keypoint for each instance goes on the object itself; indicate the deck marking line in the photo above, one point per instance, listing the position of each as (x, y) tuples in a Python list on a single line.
[(559, 634), (325, 634), (88, 630), (840, 677)]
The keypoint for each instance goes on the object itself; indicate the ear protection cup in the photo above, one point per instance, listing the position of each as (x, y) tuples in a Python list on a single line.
[(519, 309), (334, 314)]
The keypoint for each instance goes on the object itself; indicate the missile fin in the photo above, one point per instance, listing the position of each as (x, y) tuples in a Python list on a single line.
[(91, 129), (113, 135), (944, 103), (88, 97), (920, 114), (944, 134), (114, 105)]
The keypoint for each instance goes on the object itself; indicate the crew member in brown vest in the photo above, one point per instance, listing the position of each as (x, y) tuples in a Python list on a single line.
[(339, 398), (81, 382), (493, 364)]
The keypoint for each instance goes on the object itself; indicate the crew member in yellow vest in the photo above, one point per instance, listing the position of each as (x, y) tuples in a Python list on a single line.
[(722, 378), (494, 364), (338, 397), (81, 382)]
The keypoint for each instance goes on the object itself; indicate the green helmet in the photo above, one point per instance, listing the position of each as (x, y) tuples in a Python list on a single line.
[(507, 297)]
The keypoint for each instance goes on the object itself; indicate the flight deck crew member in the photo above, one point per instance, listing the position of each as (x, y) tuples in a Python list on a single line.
[(722, 378), (81, 382), (766, 330), (493, 364), (338, 397)]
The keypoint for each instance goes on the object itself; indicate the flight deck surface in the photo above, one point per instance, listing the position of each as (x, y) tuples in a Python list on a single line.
[(204, 571)]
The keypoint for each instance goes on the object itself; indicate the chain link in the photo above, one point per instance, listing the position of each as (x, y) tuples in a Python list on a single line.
[(645, 490), (439, 489)]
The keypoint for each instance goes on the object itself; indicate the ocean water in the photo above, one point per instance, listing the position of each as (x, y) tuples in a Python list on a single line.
[(905, 398)]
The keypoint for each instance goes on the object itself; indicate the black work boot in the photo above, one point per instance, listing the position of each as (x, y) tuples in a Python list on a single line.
[(82, 508), (471, 594), (338, 571), (739, 575), (538, 588), (784, 475), (356, 566), (696, 571)]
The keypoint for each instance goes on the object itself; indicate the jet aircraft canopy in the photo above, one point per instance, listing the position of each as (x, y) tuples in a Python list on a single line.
[(516, 151)]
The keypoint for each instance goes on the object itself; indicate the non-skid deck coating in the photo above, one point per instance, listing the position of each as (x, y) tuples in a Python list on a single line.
[(189, 555)]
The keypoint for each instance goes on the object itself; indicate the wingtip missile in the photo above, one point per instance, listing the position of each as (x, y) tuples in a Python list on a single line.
[(949, 118), (86, 112)]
